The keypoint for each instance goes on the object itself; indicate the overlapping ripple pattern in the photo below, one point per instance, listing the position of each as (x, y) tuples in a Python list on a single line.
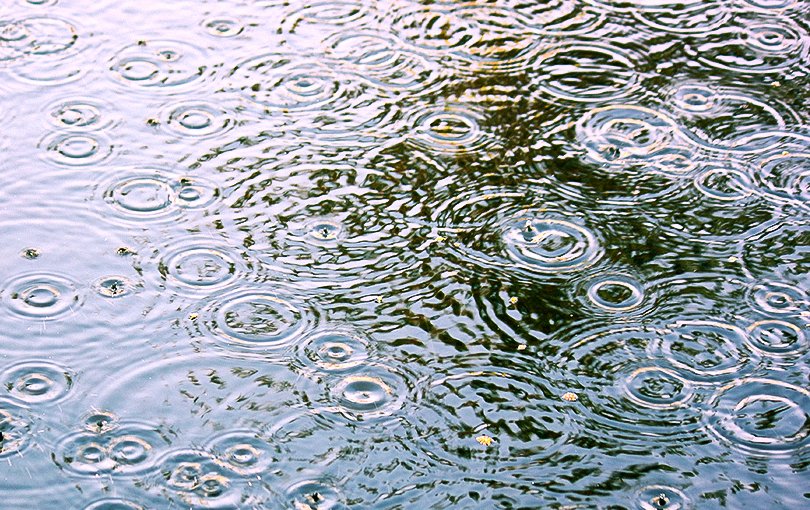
[(404, 254)]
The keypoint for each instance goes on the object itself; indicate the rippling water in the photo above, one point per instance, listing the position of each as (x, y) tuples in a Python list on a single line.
[(469, 254)]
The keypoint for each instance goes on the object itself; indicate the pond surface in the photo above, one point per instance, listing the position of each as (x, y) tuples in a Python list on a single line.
[(402, 255)]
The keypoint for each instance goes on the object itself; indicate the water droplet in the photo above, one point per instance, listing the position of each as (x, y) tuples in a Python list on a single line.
[(113, 286)]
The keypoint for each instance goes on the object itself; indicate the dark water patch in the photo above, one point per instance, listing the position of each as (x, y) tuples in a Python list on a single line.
[(588, 72), (761, 417), (749, 46), (495, 418), (625, 389), (776, 252), (780, 339)]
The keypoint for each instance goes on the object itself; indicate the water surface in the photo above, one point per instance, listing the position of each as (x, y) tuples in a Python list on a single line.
[(390, 255)]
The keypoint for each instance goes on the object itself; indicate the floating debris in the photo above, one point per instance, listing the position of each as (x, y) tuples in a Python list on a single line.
[(484, 440), (30, 253), (570, 396)]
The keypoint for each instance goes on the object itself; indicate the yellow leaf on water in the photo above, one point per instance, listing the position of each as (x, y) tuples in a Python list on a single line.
[(484, 440)]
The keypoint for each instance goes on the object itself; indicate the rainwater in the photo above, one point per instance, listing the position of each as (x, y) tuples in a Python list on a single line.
[(404, 255)]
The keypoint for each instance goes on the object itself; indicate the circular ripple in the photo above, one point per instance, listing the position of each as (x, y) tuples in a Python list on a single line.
[(113, 504), (779, 252), (707, 351), (41, 295), (450, 131), (76, 148), (675, 17), (629, 400), (127, 449), (334, 351), (695, 98), (257, 320), (621, 134), (431, 30), (281, 82), (314, 495), (755, 47), (159, 65), (374, 393), (724, 184), (787, 176), (614, 292), (762, 417), (778, 299), (200, 268), (657, 388), (156, 195), (503, 43), (198, 478), (472, 398), (223, 26), (15, 433), (197, 118), (587, 73), (550, 245), (100, 422), (35, 37), (771, 5), (777, 338), (80, 114), (659, 497), (329, 16), (381, 59), (113, 286), (37, 382), (244, 451)]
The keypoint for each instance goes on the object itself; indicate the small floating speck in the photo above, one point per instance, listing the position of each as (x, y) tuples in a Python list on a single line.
[(513, 300), (193, 316), (570, 396), (31, 253)]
